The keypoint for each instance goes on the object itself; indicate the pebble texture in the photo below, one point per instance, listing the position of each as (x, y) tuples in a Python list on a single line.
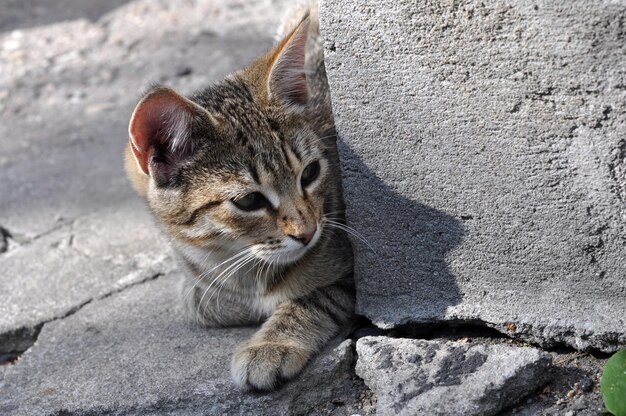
[(484, 148), (418, 377)]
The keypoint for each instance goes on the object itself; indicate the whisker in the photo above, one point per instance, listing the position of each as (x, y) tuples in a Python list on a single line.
[(205, 273), (259, 270), (266, 269), (351, 231), (216, 281), (241, 251), (221, 284), (199, 277), (235, 264), (329, 214)]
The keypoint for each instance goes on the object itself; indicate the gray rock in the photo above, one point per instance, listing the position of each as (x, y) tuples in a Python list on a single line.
[(483, 148), (133, 353), (4, 240), (51, 276), (418, 377)]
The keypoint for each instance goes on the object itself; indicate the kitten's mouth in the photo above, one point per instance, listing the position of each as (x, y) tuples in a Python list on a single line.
[(289, 250)]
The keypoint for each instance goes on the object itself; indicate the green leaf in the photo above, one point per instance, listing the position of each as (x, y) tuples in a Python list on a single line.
[(613, 384)]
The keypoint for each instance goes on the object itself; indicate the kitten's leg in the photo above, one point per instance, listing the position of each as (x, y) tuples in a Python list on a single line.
[(296, 330)]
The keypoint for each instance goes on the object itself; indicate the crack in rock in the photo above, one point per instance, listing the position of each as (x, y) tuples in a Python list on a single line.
[(617, 170), (547, 338), (4, 239), (15, 343), (462, 330), (22, 239)]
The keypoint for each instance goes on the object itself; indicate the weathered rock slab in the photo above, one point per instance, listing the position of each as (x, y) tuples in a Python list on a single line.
[(419, 377), (484, 160), (51, 276), (133, 353)]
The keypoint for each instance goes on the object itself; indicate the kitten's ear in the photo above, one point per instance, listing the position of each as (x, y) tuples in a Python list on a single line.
[(160, 131), (287, 77)]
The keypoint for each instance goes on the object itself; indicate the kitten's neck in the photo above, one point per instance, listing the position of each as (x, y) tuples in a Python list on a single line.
[(229, 267)]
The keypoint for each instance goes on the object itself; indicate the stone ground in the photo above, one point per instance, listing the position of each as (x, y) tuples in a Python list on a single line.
[(572, 380), (89, 317)]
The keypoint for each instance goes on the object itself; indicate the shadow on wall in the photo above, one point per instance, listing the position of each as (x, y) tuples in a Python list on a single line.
[(406, 278), (23, 14)]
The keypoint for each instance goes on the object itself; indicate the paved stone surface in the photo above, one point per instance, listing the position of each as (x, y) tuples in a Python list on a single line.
[(132, 354), (418, 377), (483, 149), (56, 273)]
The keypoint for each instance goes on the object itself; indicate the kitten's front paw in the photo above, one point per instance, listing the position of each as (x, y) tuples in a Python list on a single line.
[(262, 366)]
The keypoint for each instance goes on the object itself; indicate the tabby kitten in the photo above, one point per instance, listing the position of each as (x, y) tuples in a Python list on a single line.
[(244, 178)]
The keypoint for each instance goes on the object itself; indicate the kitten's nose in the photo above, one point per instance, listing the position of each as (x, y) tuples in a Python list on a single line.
[(306, 237)]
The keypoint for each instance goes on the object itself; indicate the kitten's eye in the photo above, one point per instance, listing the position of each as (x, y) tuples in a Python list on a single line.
[(309, 174), (251, 202)]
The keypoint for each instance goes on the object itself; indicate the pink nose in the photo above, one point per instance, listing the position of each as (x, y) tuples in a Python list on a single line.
[(306, 237)]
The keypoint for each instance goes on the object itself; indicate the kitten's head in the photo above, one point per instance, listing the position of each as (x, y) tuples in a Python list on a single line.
[(239, 165)]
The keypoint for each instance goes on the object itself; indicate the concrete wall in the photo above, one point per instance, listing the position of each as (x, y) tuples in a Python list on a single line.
[(483, 146)]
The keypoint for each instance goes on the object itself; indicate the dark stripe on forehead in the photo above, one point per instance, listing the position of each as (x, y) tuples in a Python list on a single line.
[(286, 156), (296, 153), (253, 172), (240, 89), (241, 138), (274, 125)]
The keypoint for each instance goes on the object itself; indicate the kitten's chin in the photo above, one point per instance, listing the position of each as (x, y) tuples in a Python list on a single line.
[(284, 259)]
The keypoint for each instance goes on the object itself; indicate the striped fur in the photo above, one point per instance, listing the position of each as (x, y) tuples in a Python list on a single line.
[(195, 158)]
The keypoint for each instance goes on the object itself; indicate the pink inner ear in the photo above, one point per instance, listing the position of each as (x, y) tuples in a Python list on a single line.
[(161, 119), (142, 129), (287, 78)]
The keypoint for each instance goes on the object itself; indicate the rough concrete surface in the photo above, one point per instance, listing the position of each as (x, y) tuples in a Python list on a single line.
[(41, 287), (419, 377), (130, 354), (484, 149)]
